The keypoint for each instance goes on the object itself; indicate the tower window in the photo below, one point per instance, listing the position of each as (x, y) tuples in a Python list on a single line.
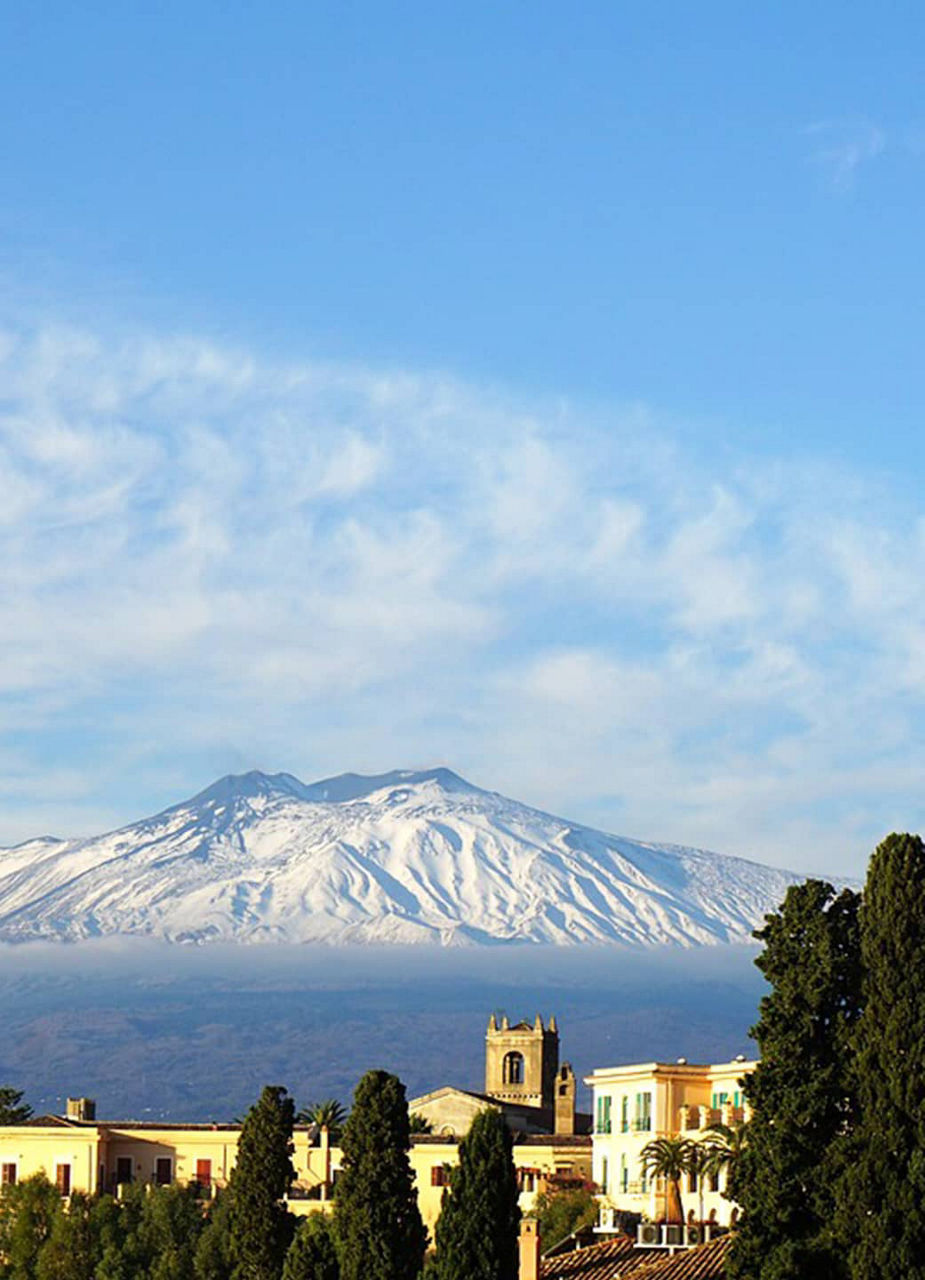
[(513, 1068)]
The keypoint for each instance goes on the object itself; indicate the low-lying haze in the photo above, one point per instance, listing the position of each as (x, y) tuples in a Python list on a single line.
[(153, 1031)]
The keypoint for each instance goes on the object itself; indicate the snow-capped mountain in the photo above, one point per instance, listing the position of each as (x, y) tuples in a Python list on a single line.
[(403, 857)]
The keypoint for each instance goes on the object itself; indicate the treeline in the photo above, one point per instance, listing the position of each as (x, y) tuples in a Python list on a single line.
[(374, 1232), (831, 1177)]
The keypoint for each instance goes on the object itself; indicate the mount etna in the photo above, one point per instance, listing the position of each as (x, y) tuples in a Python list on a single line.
[(400, 858)]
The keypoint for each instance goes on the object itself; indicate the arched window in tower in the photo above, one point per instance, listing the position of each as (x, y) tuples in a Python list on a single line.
[(513, 1068)]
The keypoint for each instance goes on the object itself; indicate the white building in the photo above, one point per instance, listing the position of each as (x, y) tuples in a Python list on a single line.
[(633, 1105)]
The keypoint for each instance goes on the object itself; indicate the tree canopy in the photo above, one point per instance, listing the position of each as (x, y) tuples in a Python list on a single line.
[(476, 1233), (259, 1225), (378, 1223), (785, 1177), (12, 1108), (882, 1200)]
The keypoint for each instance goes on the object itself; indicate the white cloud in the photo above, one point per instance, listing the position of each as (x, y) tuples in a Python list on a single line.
[(206, 556), (842, 147)]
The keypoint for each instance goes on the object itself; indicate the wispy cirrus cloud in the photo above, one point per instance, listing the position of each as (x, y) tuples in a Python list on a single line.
[(840, 148), (211, 559)]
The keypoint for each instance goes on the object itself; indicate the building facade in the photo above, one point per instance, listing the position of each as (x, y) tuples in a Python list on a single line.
[(523, 1078), (633, 1105), (102, 1156)]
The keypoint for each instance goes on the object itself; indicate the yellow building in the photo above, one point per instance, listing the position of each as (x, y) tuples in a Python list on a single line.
[(633, 1105), (541, 1160), (80, 1153)]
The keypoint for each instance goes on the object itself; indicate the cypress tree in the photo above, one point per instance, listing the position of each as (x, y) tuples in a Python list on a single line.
[(476, 1233), (786, 1176), (312, 1254), (377, 1220), (259, 1225), (882, 1209)]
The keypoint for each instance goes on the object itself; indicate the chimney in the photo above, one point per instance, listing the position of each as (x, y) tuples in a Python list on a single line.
[(529, 1249), (81, 1109)]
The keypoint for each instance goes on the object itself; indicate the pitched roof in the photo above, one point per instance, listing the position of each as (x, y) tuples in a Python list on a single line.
[(48, 1122), (618, 1256), (704, 1262)]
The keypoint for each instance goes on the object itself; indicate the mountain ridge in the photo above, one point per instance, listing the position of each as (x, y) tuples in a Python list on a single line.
[(407, 856)]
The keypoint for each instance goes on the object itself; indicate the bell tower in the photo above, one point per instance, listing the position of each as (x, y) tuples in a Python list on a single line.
[(522, 1062)]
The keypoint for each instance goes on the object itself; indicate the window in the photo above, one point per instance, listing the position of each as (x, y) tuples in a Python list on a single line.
[(714, 1182), (438, 1175), (605, 1175), (624, 1175), (692, 1182), (720, 1100), (204, 1173), (63, 1178), (625, 1113), (513, 1068), (8, 1175), (643, 1121), (123, 1169), (602, 1124), (163, 1171), (643, 1177)]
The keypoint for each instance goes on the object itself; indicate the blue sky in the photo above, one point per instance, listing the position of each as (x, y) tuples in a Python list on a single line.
[(529, 391)]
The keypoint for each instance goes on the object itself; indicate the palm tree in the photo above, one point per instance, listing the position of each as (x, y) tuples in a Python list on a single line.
[(726, 1143), (701, 1162), (667, 1158), (328, 1114)]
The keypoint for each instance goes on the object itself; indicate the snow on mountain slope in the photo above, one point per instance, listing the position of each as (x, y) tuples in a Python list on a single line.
[(404, 857)]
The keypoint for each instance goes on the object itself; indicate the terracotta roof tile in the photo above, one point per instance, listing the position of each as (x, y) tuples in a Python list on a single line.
[(705, 1262), (618, 1257), (604, 1261)]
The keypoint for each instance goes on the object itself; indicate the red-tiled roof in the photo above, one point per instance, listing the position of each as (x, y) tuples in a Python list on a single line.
[(705, 1262), (619, 1256)]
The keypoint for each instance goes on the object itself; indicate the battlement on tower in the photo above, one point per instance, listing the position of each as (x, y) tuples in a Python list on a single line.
[(522, 1061)]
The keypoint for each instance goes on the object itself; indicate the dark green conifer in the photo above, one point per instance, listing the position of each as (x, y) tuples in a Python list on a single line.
[(12, 1108), (260, 1226), (785, 1177), (882, 1202), (476, 1233), (379, 1229), (313, 1253)]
